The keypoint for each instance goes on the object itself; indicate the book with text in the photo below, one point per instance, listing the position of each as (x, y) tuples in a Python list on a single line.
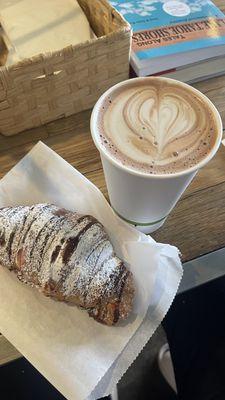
[(172, 33)]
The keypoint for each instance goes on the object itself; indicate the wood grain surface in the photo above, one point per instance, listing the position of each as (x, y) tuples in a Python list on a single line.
[(75, 145), (7, 351), (196, 225)]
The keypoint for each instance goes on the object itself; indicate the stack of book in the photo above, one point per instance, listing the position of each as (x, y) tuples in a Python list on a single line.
[(181, 39)]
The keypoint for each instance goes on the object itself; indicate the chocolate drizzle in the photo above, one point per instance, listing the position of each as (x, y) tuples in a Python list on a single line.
[(73, 242), (2, 238), (55, 253)]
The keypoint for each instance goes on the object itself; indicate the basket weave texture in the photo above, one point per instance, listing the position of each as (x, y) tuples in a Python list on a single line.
[(53, 85)]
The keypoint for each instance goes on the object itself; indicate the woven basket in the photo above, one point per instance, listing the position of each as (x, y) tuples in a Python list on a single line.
[(55, 85)]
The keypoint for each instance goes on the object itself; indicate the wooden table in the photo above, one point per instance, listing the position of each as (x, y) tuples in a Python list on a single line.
[(197, 224)]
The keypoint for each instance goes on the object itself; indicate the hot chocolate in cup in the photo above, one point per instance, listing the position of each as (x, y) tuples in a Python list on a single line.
[(153, 135)]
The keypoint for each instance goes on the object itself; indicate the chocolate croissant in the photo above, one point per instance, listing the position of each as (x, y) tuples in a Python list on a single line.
[(67, 256)]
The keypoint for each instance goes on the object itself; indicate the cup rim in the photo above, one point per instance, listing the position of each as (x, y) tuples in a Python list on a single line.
[(116, 163)]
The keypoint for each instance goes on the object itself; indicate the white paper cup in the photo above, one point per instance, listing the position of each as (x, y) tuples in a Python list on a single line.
[(145, 201)]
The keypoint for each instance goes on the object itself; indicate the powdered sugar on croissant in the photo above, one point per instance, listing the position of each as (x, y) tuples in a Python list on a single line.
[(67, 256)]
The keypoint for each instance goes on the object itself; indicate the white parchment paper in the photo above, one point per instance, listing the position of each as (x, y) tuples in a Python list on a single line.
[(80, 357)]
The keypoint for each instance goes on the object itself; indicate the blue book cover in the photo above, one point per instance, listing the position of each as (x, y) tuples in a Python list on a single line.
[(166, 27)]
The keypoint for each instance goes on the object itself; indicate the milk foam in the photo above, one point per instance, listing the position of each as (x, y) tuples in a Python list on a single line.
[(156, 126)]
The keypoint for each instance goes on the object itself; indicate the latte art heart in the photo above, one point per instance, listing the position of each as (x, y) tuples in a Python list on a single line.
[(157, 128)]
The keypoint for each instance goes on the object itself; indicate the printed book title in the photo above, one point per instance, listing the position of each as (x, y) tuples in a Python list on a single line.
[(162, 36)]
